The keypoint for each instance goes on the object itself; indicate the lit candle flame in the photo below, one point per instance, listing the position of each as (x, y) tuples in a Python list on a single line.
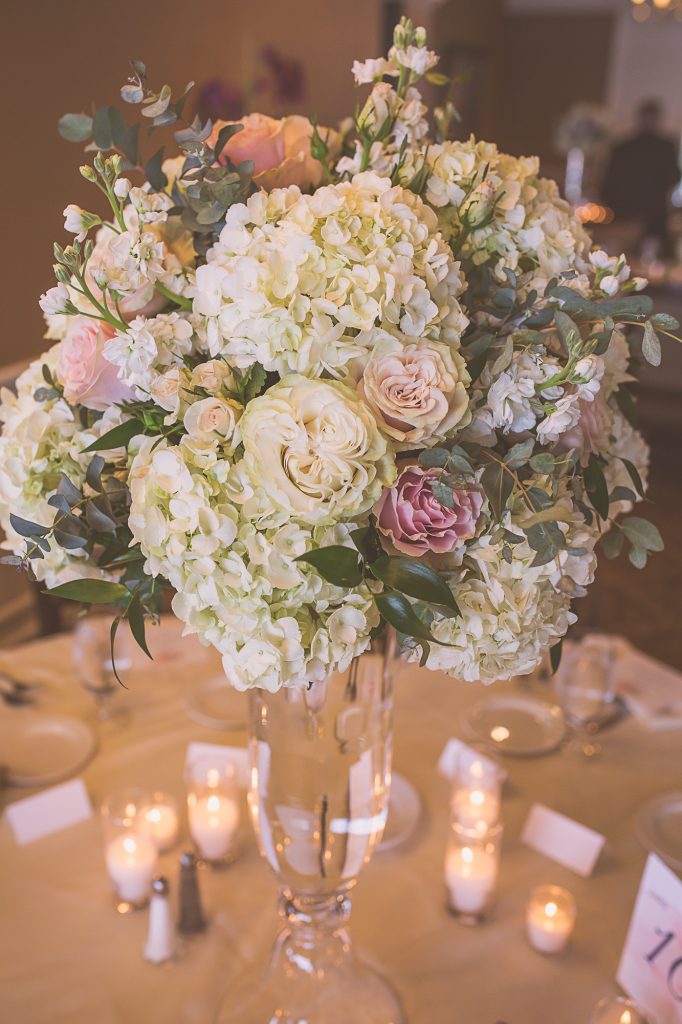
[(551, 909)]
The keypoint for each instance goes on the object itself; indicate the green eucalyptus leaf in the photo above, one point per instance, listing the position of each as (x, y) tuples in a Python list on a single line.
[(665, 322), (542, 463), (519, 454), (641, 533), (555, 653), (638, 557), (75, 127), (612, 542), (651, 346), (25, 528)]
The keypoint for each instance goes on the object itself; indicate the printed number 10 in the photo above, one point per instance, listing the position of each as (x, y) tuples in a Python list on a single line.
[(674, 977)]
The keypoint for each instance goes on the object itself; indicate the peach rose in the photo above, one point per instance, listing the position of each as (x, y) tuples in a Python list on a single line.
[(87, 377), (417, 392), (280, 150)]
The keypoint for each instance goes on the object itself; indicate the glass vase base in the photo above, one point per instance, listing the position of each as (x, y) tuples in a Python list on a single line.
[(294, 990)]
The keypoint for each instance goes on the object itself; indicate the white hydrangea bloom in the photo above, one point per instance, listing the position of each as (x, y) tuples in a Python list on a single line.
[(275, 621), (39, 442), (295, 278)]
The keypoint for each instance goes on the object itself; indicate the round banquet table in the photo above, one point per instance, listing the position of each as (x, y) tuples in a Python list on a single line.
[(67, 956)]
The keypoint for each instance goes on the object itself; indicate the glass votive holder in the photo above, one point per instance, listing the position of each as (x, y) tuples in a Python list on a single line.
[(160, 820), (550, 917), (617, 1010), (472, 864), (131, 856), (213, 809)]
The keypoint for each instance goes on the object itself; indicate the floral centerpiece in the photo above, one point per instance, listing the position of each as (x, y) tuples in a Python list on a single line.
[(314, 382)]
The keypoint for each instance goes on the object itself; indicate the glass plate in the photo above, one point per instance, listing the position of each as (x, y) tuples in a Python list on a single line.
[(659, 828), (517, 725), (39, 749)]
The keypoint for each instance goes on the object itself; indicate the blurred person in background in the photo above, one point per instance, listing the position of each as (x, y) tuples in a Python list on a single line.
[(641, 173)]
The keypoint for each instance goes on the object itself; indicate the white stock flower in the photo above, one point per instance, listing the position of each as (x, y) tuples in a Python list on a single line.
[(55, 301), (147, 347), (79, 221), (512, 401), (371, 70)]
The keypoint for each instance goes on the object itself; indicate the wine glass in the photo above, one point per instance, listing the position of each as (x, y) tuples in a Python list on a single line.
[(585, 689), (92, 650)]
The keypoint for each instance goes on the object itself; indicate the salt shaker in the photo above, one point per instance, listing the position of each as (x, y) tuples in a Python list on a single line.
[(160, 945)]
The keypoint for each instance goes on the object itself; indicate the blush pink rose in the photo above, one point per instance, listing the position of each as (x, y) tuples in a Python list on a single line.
[(591, 432), (418, 392), (416, 522), (280, 150), (87, 377)]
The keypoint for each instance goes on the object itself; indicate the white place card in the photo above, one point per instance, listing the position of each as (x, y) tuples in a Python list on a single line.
[(222, 754), (651, 690), (455, 753), (650, 968), (562, 839), (50, 811)]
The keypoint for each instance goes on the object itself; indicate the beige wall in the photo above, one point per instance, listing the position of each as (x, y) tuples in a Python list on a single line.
[(61, 55)]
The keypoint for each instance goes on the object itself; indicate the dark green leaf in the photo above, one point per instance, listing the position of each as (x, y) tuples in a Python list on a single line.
[(224, 136), (68, 537), (612, 542), (75, 127), (555, 656), (97, 519), (621, 494), (116, 438), (90, 591), (400, 614), (414, 578), (595, 485), (626, 404), (337, 564), (135, 616), (101, 129), (633, 473), (112, 652), (153, 170), (567, 328), (497, 484)]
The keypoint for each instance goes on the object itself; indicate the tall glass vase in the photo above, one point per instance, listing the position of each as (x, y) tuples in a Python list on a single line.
[(321, 763)]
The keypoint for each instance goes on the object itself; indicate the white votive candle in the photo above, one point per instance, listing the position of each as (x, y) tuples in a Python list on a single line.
[(550, 917), (470, 875), (476, 807), (159, 820), (131, 862), (213, 821)]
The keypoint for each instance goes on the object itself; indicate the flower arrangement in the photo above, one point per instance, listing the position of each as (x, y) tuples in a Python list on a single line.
[(315, 382)]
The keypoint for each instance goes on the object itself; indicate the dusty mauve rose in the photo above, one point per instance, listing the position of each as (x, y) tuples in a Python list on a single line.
[(415, 521), (87, 377), (417, 392), (280, 150)]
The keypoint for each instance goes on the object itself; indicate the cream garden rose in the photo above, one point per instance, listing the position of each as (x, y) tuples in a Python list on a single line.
[(418, 392), (315, 450), (212, 417)]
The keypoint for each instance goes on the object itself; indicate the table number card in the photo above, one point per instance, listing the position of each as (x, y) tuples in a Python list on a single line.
[(650, 969), (50, 811), (564, 840), (222, 754)]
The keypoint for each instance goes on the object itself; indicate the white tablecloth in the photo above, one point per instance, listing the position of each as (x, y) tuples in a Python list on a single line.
[(66, 956)]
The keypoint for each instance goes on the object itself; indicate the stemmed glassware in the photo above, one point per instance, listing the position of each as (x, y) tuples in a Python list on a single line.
[(92, 657), (585, 689)]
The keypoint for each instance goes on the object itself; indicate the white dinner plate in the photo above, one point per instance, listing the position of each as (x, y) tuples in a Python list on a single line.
[(659, 827), (39, 749), (517, 725), (217, 705), (404, 813)]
